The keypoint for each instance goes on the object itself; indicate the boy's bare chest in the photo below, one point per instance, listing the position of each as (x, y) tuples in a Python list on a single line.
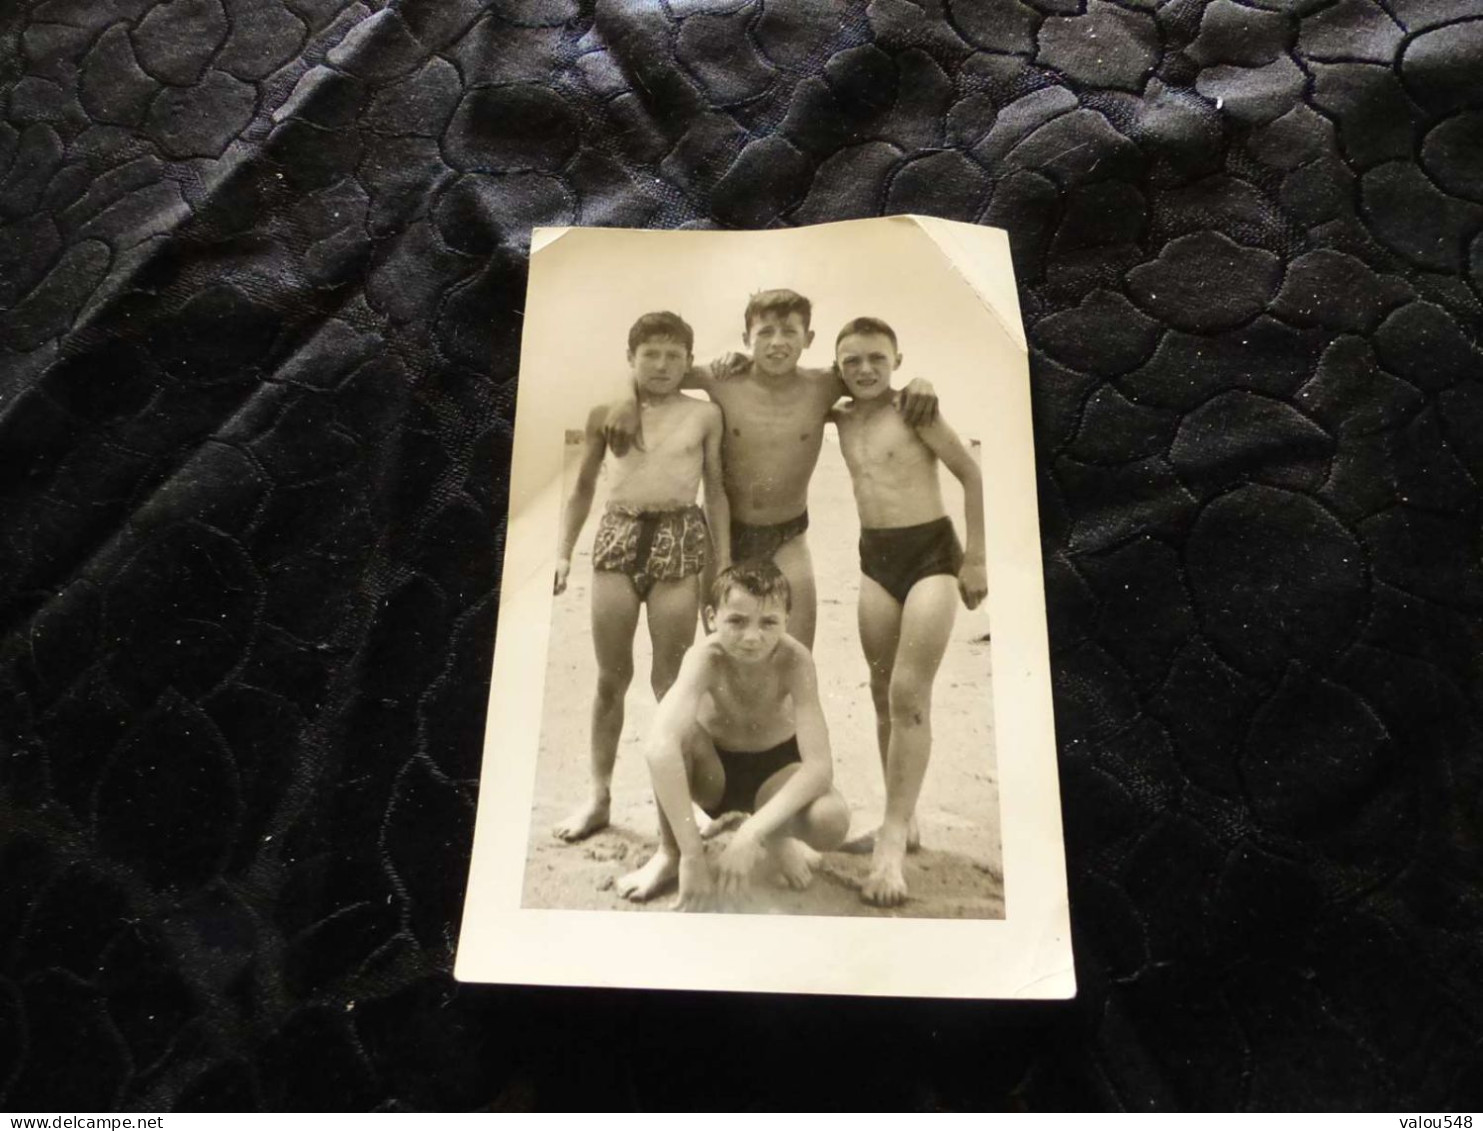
[(766, 417), (881, 445), (738, 700), (672, 434)]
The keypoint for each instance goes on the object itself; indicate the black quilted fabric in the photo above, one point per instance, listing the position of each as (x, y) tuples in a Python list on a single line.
[(261, 271)]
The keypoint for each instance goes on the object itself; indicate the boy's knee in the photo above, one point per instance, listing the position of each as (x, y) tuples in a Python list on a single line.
[(880, 691), (612, 685), (828, 822), (910, 701)]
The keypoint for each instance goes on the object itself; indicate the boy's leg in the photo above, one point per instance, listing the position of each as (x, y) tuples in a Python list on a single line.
[(707, 783), (792, 557), (615, 614), (926, 624), (880, 632), (820, 826), (673, 607)]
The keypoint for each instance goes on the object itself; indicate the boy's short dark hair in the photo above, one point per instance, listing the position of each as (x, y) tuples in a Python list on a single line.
[(867, 325), (661, 324), (762, 580), (780, 302)]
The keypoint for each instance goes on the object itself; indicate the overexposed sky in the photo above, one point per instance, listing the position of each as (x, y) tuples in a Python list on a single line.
[(891, 271)]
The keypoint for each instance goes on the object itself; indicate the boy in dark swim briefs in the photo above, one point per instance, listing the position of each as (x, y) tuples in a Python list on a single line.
[(741, 729), (913, 572), (652, 543)]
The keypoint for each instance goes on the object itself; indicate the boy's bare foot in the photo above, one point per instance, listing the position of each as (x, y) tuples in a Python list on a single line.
[(583, 822), (885, 886), (795, 862), (864, 844), (643, 884)]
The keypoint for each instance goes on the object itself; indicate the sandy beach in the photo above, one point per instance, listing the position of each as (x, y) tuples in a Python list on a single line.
[(958, 872)]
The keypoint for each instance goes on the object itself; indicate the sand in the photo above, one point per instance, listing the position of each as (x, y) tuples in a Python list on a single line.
[(958, 872)]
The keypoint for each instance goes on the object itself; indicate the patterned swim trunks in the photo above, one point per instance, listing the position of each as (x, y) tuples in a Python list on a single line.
[(650, 546)]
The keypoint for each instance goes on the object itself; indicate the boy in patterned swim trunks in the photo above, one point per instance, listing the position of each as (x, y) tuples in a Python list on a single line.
[(912, 573), (653, 542), (741, 729)]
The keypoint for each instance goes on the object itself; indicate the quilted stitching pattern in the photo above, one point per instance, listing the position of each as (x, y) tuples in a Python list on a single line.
[(261, 270)]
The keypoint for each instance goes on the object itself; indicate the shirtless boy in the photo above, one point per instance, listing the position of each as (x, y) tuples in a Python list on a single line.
[(913, 572), (652, 543), (774, 413), (741, 729)]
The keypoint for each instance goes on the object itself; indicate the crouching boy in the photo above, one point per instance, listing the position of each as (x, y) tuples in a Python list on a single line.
[(742, 729)]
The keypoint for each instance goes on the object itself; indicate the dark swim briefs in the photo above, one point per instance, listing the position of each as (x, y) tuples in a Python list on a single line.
[(897, 557), (746, 771), (759, 543), (650, 546)]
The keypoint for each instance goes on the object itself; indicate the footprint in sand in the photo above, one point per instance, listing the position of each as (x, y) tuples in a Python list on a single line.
[(606, 852)]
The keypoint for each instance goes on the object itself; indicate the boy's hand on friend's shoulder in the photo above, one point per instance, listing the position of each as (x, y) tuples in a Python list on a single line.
[(731, 364), (738, 861), (563, 568), (697, 885), (621, 429), (917, 403), (973, 583)]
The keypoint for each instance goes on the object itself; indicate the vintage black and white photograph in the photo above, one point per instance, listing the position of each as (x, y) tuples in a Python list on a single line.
[(774, 481)]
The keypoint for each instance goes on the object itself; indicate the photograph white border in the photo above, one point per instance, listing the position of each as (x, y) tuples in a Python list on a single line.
[(1027, 954)]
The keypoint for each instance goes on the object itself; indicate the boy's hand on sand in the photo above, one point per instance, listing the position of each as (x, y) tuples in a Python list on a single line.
[(918, 402), (738, 861), (973, 583), (730, 365), (697, 885), (621, 430), (563, 568)]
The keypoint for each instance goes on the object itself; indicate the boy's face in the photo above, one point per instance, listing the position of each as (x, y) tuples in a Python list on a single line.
[(749, 628), (777, 342), (866, 362), (659, 365)]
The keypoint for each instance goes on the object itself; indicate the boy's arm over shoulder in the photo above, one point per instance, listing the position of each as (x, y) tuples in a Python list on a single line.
[(827, 381), (701, 378), (917, 402), (621, 425)]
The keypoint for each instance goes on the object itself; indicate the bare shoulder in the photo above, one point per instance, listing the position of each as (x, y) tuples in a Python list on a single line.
[(597, 416), (935, 432), (698, 667), (704, 657), (793, 659), (826, 383)]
